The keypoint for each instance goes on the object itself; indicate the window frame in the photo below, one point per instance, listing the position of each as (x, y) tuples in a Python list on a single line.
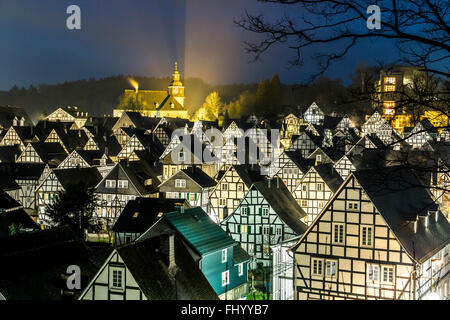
[(227, 278), (320, 262), (334, 225), (121, 271), (361, 236), (224, 256)]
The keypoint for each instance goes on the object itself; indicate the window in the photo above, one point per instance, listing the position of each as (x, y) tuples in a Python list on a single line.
[(180, 183), (244, 228), (388, 275), (352, 205), (373, 273), (304, 203), (222, 202), (330, 268), (266, 230), (265, 212), (321, 204), (224, 255), (116, 279), (304, 187), (224, 186), (319, 158), (240, 269), (240, 187), (181, 156), (366, 236), (389, 80), (319, 186), (225, 278), (122, 184), (338, 233), (245, 211), (279, 231), (389, 88), (110, 184), (317, 267)]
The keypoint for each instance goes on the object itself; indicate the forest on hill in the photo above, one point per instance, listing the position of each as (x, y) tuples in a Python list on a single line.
[(101, 96)]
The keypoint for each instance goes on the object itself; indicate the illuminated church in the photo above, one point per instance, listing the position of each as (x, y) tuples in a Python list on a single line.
[(153, 103)]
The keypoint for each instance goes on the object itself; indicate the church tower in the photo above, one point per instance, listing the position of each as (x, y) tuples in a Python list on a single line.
[(176, 88)]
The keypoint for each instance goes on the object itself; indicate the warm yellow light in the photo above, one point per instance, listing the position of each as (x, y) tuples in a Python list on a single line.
[(134, 83)]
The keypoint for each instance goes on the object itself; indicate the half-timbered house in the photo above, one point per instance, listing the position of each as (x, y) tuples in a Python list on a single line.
[(231, 189), (292, 168), (124, 182), (314, 115), (223, 262), (371, 240), (191, 184), (159, 268), (315, 189), (57, 180), (267, 215)]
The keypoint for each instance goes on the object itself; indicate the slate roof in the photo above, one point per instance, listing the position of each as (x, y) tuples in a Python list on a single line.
[(199, 230), (49, 253), (330, 176), (50, 152), (199, 176), (9, 153), (91, 176), (400, 198), (302, 163), (249, 174), (149, 268), (8, 113), (283, 203), (148, 210), (22, 171)]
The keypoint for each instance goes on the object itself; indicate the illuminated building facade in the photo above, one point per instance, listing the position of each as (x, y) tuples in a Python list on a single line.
[(153, 103)]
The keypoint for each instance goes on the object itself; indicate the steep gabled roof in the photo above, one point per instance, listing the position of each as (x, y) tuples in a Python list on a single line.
[(90, 176), (330, 176), (149, 267), (197, 228), (401, 198), (283, 203), (147, 210)]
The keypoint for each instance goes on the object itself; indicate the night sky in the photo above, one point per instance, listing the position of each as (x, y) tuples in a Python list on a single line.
[(144, 38)]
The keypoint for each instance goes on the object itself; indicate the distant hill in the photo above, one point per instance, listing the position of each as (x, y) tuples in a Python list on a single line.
[(100, 96)]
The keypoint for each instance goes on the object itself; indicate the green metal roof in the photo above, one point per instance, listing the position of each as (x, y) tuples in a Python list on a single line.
[(199, 230)]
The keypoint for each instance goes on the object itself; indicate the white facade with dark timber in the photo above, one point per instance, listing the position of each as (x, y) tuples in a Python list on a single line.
[(355, 251)]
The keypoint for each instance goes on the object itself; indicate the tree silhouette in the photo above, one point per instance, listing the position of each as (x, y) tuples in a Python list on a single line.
[(74, 207)]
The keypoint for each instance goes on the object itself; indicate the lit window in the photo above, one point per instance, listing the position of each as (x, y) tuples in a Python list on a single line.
[(338, 233), (225, 278), (317, 267), (110, 184), (373, 273), (180, 183), (116, 280), (224, 255), (388, 275), (244, 228), (389, 80), (240, 269), (366, 236), (330, 268), (122, 184), (389, 88)]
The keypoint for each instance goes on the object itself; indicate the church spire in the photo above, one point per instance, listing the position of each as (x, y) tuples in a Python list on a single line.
[(176, 77)]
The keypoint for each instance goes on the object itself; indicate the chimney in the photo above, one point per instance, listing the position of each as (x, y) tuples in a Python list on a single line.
[(415, 224), (278, 182), (268, 183), (79, 133), (167, 247)]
